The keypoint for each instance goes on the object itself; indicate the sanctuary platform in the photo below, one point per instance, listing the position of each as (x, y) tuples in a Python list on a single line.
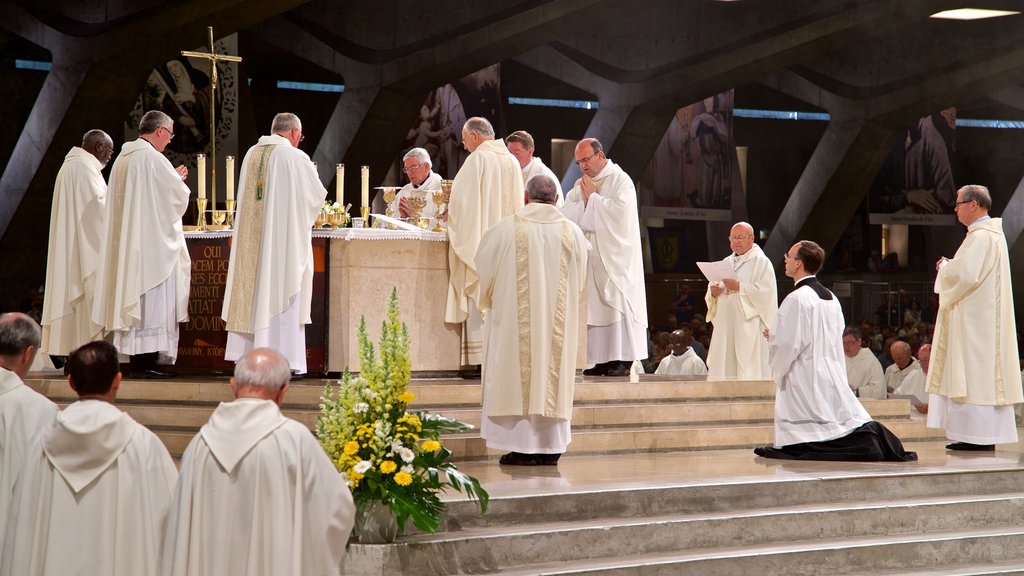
[(660, 479)]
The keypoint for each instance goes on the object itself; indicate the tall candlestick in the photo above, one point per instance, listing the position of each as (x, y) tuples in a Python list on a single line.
[(201, 175), (365, 190), (340, 184), (229, 177)]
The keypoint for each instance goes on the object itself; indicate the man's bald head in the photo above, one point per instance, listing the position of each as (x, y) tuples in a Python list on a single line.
[(924, 356), (741, 238), (900, 352), (261, 373)]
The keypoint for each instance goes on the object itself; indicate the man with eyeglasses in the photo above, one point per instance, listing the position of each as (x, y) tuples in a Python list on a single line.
[(144, 276), (487, 188), (974, 377), (270, 271), (416, 165), (76, 227), (603, 204), (740, 310)]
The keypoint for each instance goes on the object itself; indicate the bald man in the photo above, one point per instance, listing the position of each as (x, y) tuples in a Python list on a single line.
[(904, 365)]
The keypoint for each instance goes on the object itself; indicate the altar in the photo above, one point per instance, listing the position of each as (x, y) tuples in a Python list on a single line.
[(354, 272)]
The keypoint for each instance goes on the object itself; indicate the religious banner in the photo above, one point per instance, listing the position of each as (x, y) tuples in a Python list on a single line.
[(690, 176), (916, 183), (438, 128)]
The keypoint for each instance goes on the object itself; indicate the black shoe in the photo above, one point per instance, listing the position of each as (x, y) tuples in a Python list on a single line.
[(518, 459), (473, 374), (968, 447), (547, 459), (619, 368), (598, 369), (153, 374)]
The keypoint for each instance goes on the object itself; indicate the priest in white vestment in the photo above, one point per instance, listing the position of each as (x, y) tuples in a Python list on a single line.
[(270, 271), (532, 268), (145, 271), (603, 204), (487, 188), (863, 371), (24, 413), (741, 310), (817, 417), (93, 495), (73, 253), (682, 360), (974, 378), (257, 495), (423, 182), (520, 144), (903, 366), (916, 383)]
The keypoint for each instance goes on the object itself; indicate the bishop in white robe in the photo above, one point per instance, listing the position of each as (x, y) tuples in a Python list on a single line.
[(532, 268), (603, 204), (487, 188), (270, 270), (93, 494), (973, 381), (423, 182), (145, 271), (72, 256), (520, 144), (741, 310), (257, 495), (24, 413), (817, 417)]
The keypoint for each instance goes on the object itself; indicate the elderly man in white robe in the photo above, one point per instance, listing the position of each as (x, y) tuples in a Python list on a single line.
[(741, 310), (603, 204), (682, 360), (487, 188), (903, 366), (94, 491), (73, 253), (145, 272), (24, 413), (817, 417), (915, 385), (532, 268), (520, 144), (863, 371), (423, 181), (270, 271), (974, 378), (256, 495)]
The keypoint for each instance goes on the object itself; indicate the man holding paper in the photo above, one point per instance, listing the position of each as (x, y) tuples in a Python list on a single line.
[(741, 308)]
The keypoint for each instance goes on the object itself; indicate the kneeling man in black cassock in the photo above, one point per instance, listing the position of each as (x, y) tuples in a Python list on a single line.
[(817, 417)]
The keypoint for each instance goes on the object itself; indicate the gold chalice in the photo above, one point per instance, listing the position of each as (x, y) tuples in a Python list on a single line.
[(390, 193), (417, 202), (336, 220), (218, 217), (321, 220), (201, 219), (231, 212)]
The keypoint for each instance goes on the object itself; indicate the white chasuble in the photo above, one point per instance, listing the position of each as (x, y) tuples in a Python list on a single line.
[(813, 401), (92, 498), (257, 496), (73, 254), (738, 346), (536, 167), (430, 184)]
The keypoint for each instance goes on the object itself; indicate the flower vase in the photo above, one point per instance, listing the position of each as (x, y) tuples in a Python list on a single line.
[(375, 524)]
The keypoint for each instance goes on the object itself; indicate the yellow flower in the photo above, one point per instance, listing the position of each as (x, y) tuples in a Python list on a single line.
[(351, 447), (431, 446), (403, 479), (406, 397), (387, 466)]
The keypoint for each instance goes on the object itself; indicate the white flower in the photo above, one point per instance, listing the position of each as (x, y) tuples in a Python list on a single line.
[(362, 466), (408, 469), (360, 407), (406, 454)]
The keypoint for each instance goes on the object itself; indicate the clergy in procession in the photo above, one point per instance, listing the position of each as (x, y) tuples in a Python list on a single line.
[(863, 371), (741, 310), (603, 204), (269, 286), (257, 495), (532, 269), (817, 417), (94, 491), (145, 270), (520, 144), (76, 226), (903, 366), (682, 360), (422, 180), (974, 379), (487, 188), (24, 413)]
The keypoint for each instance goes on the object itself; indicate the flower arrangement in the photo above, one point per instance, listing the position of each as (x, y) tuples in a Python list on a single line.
[(386, 452), (333, 208)]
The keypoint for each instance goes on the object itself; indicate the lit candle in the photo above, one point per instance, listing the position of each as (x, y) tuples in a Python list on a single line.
[(341, 182), (365, 190), (201, 175), (229, 177)]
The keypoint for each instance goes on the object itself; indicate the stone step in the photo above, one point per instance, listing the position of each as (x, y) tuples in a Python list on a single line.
[(497, 548)]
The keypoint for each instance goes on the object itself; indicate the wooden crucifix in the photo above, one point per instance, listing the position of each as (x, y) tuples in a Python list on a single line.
[(214, 58)]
